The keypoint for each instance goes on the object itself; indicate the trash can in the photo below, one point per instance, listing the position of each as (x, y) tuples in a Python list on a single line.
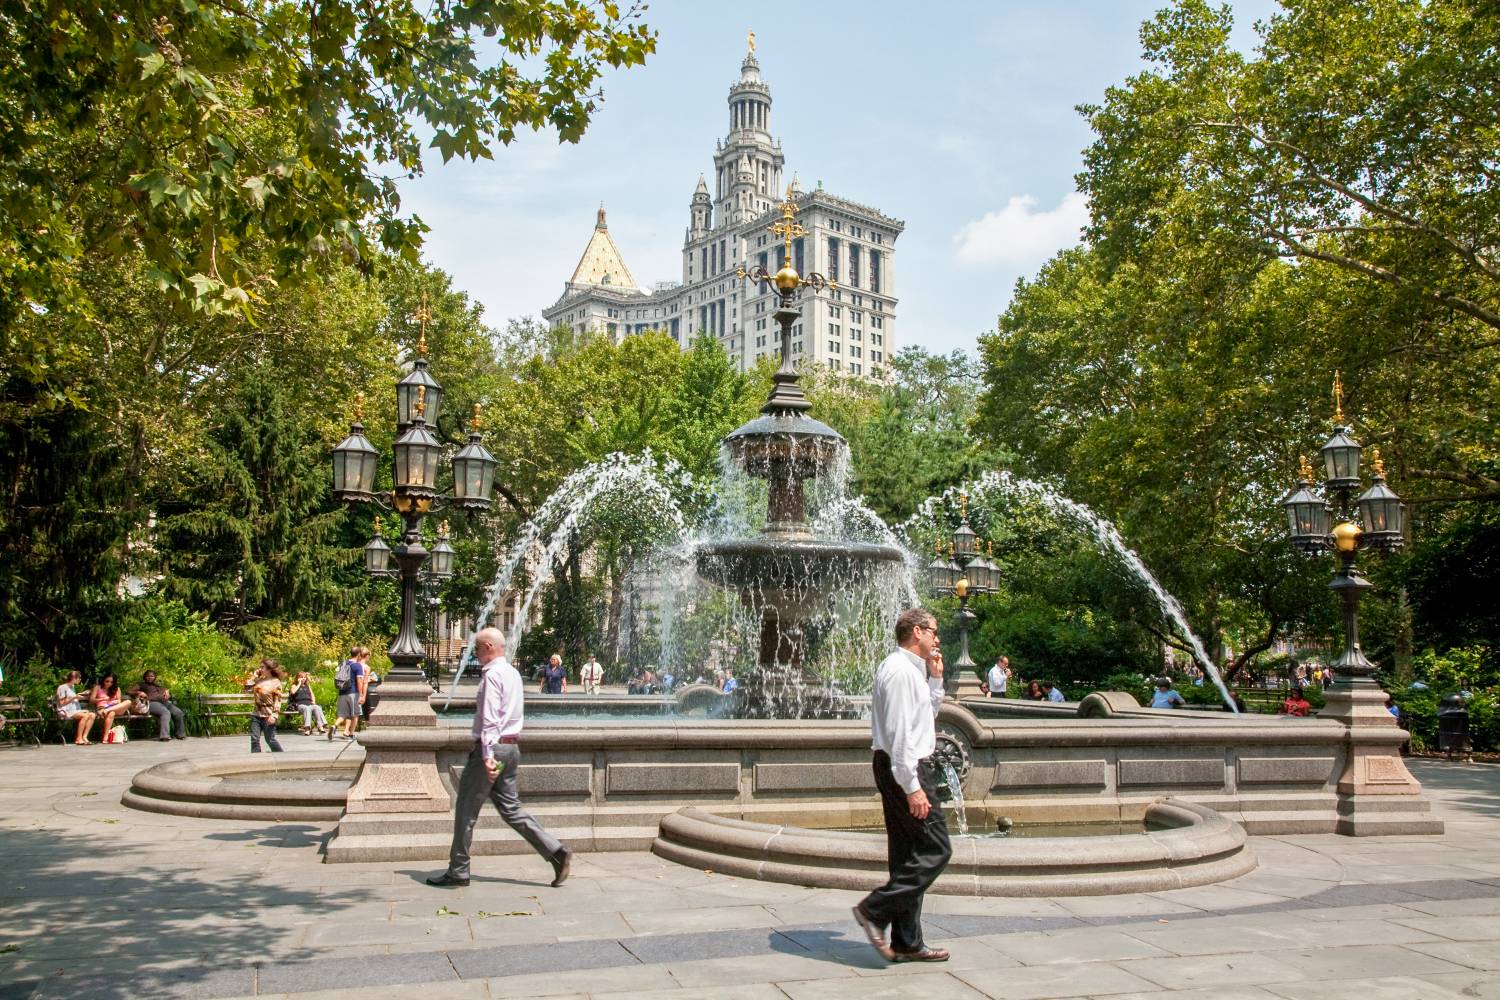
[(1453, 724)]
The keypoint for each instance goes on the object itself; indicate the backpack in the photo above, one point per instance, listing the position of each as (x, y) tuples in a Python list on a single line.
[(343, 676)]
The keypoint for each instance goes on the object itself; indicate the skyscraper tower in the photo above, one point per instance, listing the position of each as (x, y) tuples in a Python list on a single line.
[(849, 329)]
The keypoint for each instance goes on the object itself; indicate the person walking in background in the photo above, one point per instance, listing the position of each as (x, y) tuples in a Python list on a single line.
[(348, 683), (266, 688), (998, 678), (908, 693), (70, 707), (160, 704), (554, 677), (302, 700), (490, 771), (591, 675)]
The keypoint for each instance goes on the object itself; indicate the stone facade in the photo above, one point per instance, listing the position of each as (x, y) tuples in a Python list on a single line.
[(851, 328)]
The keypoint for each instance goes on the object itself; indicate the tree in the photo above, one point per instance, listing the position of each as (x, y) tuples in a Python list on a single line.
[(1360, 136), (194, 132), (261, 543), (908, 438)]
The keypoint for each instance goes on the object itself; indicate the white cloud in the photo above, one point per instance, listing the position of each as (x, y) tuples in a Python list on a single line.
[(1019, 235)]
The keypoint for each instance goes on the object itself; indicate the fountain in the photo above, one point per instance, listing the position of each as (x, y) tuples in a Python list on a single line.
[(775, 792), (783, 577)]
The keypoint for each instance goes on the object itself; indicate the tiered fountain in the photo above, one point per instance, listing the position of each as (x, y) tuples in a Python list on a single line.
[(783, 577)]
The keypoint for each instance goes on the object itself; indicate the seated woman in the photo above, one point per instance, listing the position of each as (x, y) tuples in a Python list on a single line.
[(1034, 692), (302, 699), (71, 706), (109, 701), (1296, 704)]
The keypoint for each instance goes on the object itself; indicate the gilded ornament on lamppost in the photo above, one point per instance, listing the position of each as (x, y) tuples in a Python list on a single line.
[(786, 281)]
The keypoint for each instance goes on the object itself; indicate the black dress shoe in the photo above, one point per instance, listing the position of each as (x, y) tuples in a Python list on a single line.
[(448, 881), (562, 867)]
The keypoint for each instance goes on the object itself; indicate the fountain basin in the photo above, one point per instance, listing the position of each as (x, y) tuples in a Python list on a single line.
[(1184, 845), (275, 790), (796, 569)]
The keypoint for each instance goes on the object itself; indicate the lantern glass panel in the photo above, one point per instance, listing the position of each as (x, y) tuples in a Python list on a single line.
[(1341, 460), (442, 560), (965, 542), (355, 461), (406, 396), (377, 557), (1307, 515), (418, 454), (1380, 510), (473, 473)]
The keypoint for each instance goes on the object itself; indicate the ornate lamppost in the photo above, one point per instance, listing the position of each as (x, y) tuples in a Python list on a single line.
[(964, 572), (1380, 516), (414, 495)]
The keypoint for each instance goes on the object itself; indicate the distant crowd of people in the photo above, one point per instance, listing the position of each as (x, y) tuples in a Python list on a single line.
[(266, 687), (552, 677)]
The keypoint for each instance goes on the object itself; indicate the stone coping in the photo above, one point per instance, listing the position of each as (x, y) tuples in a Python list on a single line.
[(1185, 844)]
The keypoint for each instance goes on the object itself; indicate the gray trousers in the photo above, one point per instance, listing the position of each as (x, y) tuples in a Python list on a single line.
[(166, 713), (474, 788)]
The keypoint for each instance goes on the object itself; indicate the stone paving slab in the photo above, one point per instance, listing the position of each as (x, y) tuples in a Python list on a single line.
[(211, 910)]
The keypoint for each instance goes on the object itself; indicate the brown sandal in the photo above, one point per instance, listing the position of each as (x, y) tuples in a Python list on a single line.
[(873, 934)]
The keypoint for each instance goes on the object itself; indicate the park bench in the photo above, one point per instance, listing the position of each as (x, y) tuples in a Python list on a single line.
[(18, 718), (65, 725), (236, 706)]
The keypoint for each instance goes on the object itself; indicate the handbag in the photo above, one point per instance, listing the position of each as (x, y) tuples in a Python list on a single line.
[(117, 734)]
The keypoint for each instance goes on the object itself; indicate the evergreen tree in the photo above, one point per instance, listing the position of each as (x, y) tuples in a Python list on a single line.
[(254, 534)]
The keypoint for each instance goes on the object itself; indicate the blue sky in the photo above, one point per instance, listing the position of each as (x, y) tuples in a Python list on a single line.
[(963, 127)]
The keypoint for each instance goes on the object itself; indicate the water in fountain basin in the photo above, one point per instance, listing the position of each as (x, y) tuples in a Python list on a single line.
[(1105, 533)]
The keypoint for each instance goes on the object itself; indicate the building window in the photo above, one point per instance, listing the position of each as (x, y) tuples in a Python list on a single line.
[(853, 351), (833, 259), (834, 364), (833, 347), (877, 339), (856, 335), (877, 322), (874, 270), (834, 310), (854, 368), (833, 329), (853, 265), (855, 316), (877, 357)]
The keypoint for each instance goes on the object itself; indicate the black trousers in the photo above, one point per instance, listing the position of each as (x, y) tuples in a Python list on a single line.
[(918, 850)]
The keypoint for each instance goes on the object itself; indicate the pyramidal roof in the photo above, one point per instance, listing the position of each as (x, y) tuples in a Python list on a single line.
[(601, 263)]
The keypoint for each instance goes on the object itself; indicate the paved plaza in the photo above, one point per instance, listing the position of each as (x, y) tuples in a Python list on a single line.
[(103, 901)]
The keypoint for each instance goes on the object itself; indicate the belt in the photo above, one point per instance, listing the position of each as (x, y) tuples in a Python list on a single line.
[(504, 739)]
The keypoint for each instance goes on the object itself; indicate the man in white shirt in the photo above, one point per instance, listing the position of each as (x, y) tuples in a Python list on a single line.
[(999, 677), (590, 675), (908, 692), (491, 769)]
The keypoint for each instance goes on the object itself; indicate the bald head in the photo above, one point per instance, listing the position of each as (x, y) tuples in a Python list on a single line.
[(488, 644)]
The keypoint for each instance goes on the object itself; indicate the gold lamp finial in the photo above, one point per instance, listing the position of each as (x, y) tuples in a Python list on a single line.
[(961, 586), (359, 407), (1377, 463), (1338, 397), (474, 420), (1305, 469), (421, 406), (422, 315), (443, 530), (963, 506)]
